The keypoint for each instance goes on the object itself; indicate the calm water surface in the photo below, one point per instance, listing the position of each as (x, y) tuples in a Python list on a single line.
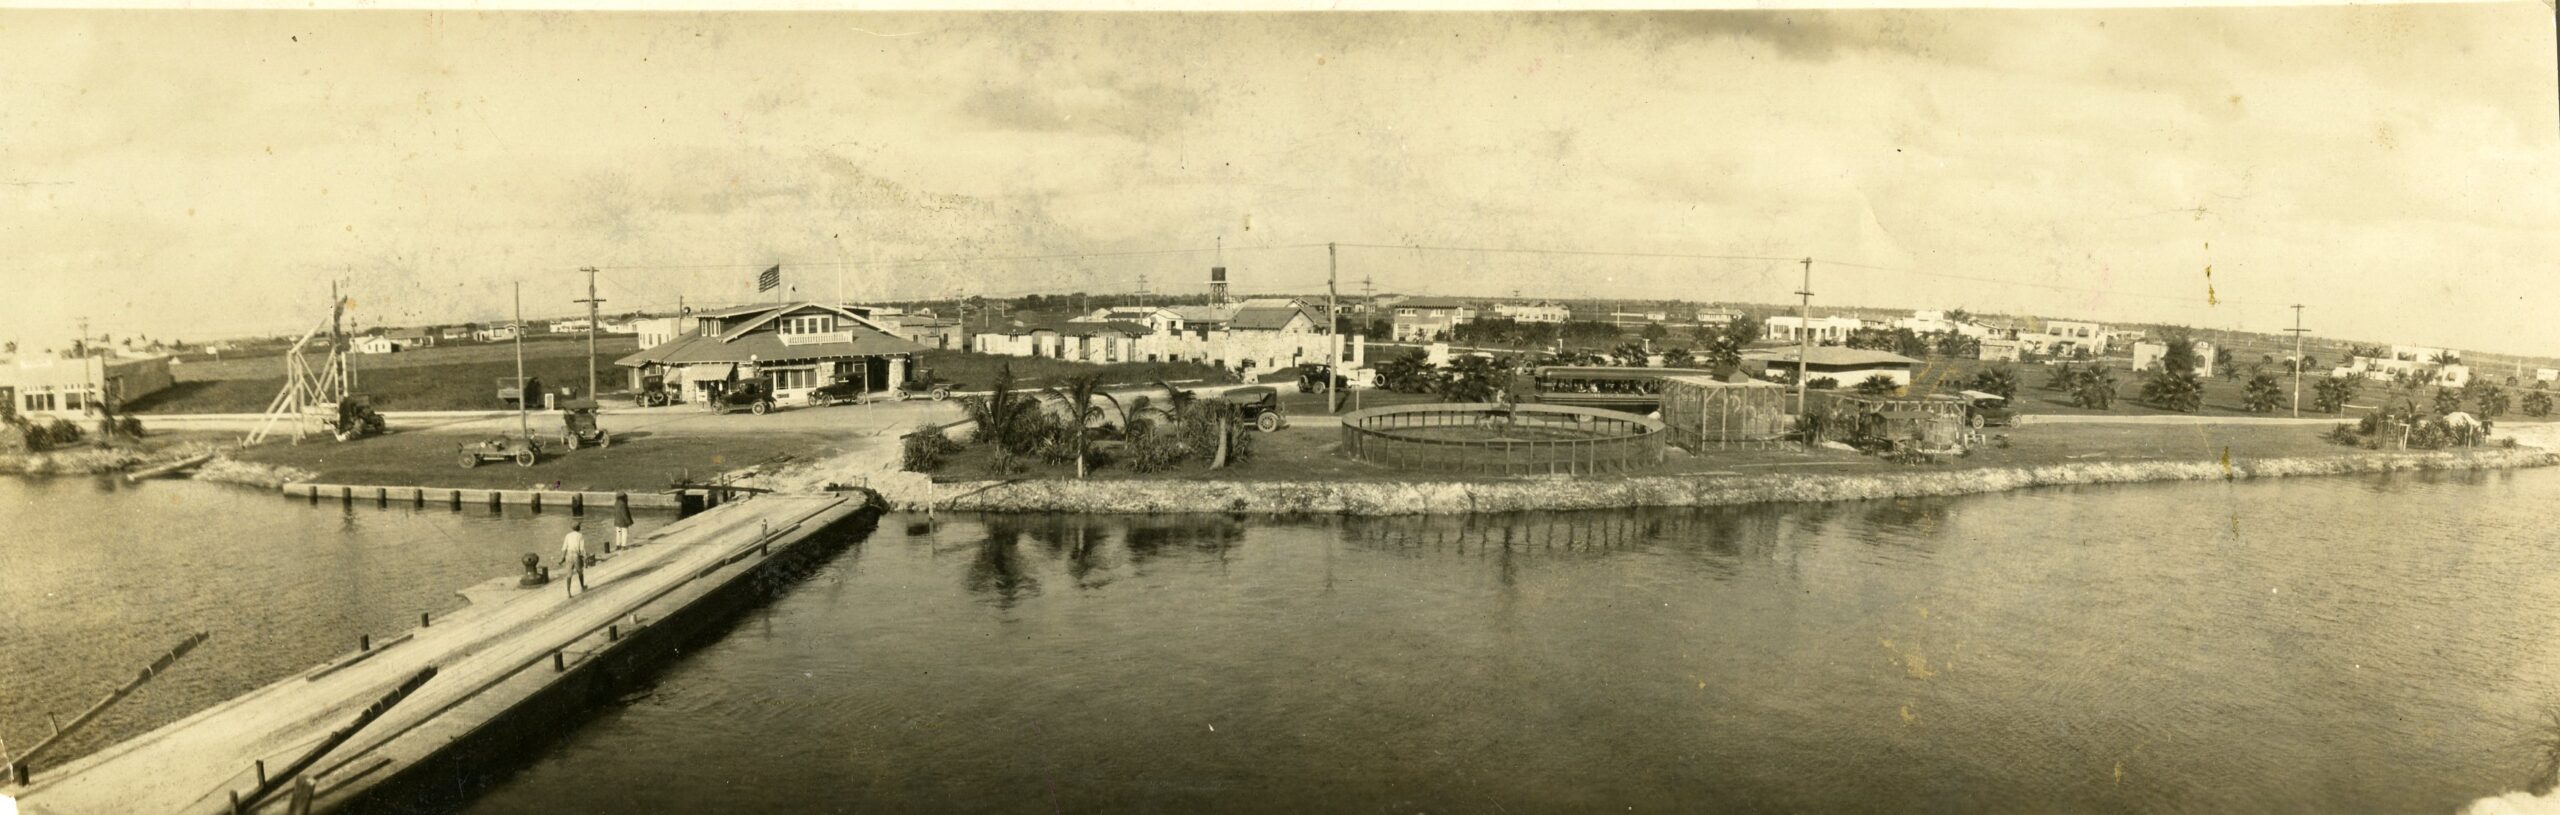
[(2372, 644)]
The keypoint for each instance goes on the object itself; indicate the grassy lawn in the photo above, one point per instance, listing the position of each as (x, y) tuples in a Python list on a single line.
[(637, 461), (440, 378)]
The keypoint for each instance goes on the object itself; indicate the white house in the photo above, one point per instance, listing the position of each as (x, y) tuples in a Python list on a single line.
[(2093, 336), (1823, 329), (2148, 355), (495, 333), (1538, 312), (791, 348), (1155, 318), (373, 344)]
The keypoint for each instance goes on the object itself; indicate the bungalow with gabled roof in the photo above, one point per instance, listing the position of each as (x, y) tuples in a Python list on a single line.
[(792, 348)]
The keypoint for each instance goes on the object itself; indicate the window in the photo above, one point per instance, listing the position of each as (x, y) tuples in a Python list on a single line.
[(794, 378), (809, 324), (71, 400)]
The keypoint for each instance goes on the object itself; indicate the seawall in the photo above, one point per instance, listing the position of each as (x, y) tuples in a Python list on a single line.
[(1578, 493)]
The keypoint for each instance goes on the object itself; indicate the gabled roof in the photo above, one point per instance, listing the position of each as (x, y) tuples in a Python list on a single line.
[(777, 311), (1073, 328), (766, 347), (1204, 314), (1431, 302), (1254, 318)]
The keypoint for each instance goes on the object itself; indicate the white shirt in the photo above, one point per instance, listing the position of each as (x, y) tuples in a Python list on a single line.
[(573, 545)]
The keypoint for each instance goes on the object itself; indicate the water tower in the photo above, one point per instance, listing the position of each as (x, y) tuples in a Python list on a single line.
[(1218, 285)]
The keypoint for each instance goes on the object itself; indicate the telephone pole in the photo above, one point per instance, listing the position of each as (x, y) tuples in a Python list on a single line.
[(2297, 330), (592, 301), (524, 397), (1332, 327), (1804, 339), (97, 392)]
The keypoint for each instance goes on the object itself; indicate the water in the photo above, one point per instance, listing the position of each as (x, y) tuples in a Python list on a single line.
[(2358, 644), (98, 577)]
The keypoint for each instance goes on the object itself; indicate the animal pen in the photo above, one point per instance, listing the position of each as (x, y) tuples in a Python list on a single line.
[(1482, 438), (1926, 423), (1701, 411)]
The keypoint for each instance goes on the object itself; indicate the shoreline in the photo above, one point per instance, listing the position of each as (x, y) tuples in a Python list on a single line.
[(1639, 491)]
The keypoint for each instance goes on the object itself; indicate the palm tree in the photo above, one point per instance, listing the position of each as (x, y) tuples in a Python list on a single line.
[(1679, 358), (2492, 401), (2448, 400), (2063, 377), (1079, 393), (2096, 388), (2171, 388), (2537, 403), (1722, 351), (2332, 393), (1878, 385), (1997, 379), (2263, 393)]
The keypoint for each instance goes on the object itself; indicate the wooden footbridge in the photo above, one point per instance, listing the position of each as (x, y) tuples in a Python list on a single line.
[(411, 710)]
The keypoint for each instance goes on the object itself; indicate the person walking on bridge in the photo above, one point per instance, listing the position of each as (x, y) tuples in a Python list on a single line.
[(573, 559)]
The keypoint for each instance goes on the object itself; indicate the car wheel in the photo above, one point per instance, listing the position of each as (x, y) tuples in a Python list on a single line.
[(470, 460), (940, 393), (569, 441), (759, 408), (1978, 421), (603, 439), (1267, 422), (524, 458), (342, 435)]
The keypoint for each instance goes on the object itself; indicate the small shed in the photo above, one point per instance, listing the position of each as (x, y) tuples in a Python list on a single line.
[(1701, 411)]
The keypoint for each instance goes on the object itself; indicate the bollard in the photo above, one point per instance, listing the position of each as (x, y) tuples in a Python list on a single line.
[(364, 642), (314, 494), (20, 771), (493, 501), (613, 633), (578, 504), (235, 801), (537, 502), (262, 772), (418, 499), (346, 494), (558, 664), (381, 496), (422, 619)]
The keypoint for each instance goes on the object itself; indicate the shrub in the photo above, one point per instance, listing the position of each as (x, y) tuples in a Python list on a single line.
[(1878, 385), (924, 450), (129, 426), (1999, 379), (2177, 389), (2537, 403), (2264, 393), (2330, 395), (2448, 400), (1823, 383), (2347, 434)]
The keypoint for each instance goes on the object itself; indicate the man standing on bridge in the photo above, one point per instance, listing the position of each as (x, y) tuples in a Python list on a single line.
[(573, 559)]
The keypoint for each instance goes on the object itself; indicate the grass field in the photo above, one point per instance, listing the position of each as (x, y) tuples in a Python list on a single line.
[(442, 378)]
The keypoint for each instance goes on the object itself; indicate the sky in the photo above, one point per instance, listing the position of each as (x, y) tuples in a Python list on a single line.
[(2394, 169)]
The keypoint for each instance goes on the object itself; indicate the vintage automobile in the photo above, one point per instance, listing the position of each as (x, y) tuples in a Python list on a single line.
[(1259, 404), (356, 418), (750, 396), (523, 450), (654, 392), (924, 384), (578, 425), (510, 393), (1987, 410), (846, 392), (1313, 378)]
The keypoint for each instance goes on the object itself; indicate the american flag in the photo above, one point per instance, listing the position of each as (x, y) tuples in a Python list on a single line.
[(770, 279)]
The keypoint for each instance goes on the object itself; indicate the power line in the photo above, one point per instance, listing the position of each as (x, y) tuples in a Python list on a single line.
[(1582, 252)]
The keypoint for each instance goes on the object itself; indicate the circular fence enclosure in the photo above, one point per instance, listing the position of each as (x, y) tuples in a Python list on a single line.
[(1476, 438)]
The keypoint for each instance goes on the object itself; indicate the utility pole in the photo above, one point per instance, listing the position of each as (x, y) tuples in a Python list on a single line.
[(1142, 289), (1332, 327), (338, 338), (592, 301), (523, 397), (97, 392), (2297, 330), (1804, 339)]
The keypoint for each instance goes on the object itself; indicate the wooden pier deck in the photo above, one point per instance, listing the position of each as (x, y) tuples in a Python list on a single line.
[(515, 654), (466, 497)]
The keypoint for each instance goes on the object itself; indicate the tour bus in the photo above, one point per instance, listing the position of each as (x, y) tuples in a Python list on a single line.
[(1632, 390)]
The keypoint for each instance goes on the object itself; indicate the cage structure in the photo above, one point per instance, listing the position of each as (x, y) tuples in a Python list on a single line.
[(1929, 422), (1476, 438), (1701, 412)]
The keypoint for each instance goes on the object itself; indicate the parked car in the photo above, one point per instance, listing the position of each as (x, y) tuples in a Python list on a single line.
[(523, 450), (1260, 405), (750, 396), (1317, 377), (509, 393), (578, 425), (356, 418), (654, 391), (1987, 410), (845, 392)]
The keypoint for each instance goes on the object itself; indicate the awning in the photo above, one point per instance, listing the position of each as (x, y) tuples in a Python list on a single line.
[(710, 371)]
